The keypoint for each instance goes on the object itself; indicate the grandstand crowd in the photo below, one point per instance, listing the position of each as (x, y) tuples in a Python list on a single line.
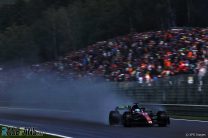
[(142, 57)]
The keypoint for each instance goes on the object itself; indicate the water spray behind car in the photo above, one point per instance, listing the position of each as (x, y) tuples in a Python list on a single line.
[(45, 95)]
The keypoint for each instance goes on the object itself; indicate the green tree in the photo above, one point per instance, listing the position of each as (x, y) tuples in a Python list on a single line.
[(16, 43), (53, 33)]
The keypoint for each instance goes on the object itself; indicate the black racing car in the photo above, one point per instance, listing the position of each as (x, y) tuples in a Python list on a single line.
[(137, 115)]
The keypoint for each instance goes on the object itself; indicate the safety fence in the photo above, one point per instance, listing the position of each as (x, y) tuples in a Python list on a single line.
[(181, 95), (185, 89)]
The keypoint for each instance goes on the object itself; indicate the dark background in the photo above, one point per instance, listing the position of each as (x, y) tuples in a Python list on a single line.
[(40, 30)]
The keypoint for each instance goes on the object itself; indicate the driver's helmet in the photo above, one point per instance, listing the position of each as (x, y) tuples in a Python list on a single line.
[(137, 110), (135, 107)]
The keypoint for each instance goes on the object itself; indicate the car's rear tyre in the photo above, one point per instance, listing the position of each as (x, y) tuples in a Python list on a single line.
[(162, 119), (114, 117), (127, 119)]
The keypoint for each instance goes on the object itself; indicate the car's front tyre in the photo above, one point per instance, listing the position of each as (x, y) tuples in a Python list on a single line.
[(127, 119), (114, 117), (162, 119)]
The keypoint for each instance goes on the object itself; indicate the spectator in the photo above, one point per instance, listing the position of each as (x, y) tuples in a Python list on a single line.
[(142, 57)]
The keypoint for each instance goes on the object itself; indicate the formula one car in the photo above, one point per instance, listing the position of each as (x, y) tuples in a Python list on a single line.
[(137, 115)]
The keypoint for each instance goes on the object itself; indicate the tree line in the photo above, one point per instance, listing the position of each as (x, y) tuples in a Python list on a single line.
[(42, 30)]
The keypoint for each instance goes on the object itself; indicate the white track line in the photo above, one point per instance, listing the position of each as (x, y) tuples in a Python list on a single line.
[(52, 134), (201, 121)]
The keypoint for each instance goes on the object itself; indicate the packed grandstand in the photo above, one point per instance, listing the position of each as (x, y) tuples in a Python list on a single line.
[(138, 56)]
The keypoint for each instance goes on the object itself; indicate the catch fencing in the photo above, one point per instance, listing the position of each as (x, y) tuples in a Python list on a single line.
[(172, 90), (182, 95)]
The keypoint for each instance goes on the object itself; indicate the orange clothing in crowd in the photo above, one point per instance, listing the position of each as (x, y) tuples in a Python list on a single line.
[(143, 66), (130, 70), (167, 63), (190, 54)]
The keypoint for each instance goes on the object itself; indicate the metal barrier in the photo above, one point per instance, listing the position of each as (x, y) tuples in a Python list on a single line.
[(182, 109), (173, 90), (178, 95), (172, 93)]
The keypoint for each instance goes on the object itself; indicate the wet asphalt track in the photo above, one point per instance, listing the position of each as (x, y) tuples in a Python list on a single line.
[(84, 129)]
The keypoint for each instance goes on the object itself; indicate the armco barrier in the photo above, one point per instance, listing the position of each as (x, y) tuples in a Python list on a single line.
[(183, 109)]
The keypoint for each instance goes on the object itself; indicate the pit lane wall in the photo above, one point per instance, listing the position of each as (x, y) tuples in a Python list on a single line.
[(181, 95)]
